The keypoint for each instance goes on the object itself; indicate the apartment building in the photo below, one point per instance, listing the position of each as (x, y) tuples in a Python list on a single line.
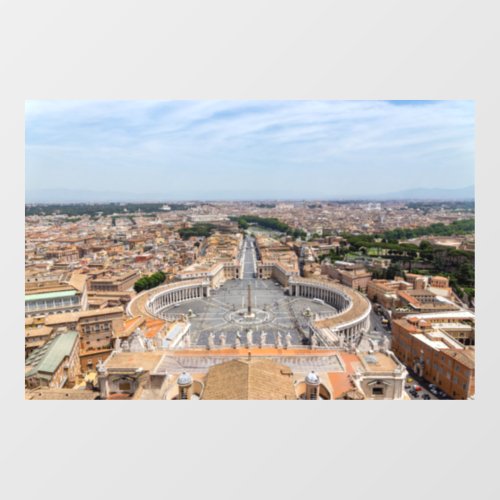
[(56, 364), (56, 296), (434, 355), (348, 273), (106, 281)]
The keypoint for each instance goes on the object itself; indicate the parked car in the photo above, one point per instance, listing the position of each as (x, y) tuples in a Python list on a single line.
[(417, 387), (426, 396)]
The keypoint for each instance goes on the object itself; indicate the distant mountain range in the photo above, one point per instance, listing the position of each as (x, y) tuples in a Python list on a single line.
[(82, 196)]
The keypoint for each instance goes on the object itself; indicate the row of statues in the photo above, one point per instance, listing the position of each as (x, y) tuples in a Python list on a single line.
[(137, 342), (248, 340)]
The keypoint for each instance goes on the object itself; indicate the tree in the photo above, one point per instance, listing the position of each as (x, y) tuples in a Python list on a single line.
[(425, 246), (465, 273), (393, 271), (147, 282)]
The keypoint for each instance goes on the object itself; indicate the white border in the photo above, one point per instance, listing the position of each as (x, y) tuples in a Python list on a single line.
[(267, 50)]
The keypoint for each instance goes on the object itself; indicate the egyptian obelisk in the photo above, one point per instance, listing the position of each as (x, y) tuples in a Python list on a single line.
[(249, 302)]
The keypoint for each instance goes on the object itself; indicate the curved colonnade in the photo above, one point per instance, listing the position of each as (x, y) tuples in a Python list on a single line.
[(351, 319), (342, 328), (152, 302)]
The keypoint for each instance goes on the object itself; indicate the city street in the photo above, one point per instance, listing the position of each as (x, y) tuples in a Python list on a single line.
[(377, 332), (376, 324), (422, 383)]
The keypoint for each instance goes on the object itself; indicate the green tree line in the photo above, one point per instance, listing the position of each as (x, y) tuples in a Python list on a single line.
[(464, 226), (457, 265), (269, 223), (96, 208), (196, 230), (147, 282)]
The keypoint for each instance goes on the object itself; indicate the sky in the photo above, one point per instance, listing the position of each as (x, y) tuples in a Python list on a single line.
[(187, 150)]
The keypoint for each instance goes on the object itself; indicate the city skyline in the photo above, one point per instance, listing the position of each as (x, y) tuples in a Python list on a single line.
[(243, 150)]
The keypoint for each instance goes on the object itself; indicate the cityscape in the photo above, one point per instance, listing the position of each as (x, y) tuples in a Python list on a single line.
[(316, 279)]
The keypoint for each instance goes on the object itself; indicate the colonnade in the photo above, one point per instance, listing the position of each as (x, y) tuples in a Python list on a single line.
[(352, 333), (177, 294), (347, 332), (333, 297)]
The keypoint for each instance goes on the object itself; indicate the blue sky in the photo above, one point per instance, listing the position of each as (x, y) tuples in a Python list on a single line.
[(249, 149)]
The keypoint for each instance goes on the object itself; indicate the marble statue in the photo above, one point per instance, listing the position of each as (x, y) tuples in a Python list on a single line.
[(278, 340), (263, 336), (249, 337), (211, 341), (137, 343), (222, 338), (100, 367), (386, 343), (372, 346)]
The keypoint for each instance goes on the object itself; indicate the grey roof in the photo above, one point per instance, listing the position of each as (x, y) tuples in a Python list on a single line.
[(46, 359)]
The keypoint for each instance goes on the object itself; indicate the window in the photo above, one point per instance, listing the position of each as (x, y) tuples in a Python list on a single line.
[(378, 391), (124, 386)]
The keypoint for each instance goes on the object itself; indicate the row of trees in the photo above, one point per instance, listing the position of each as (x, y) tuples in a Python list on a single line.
[(464, 226), (147, 282), (98, 208), (129, 217), (196, 230), (269, 223), (265, 205), (457, 265)]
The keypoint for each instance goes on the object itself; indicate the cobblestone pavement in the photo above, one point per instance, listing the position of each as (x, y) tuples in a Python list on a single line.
[(275, 312)]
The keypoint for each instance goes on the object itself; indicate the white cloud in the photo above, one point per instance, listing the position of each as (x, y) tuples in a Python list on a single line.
[(259, 134)]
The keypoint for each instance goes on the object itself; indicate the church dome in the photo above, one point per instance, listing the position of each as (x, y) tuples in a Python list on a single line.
[(184, 379), (312, 378)]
